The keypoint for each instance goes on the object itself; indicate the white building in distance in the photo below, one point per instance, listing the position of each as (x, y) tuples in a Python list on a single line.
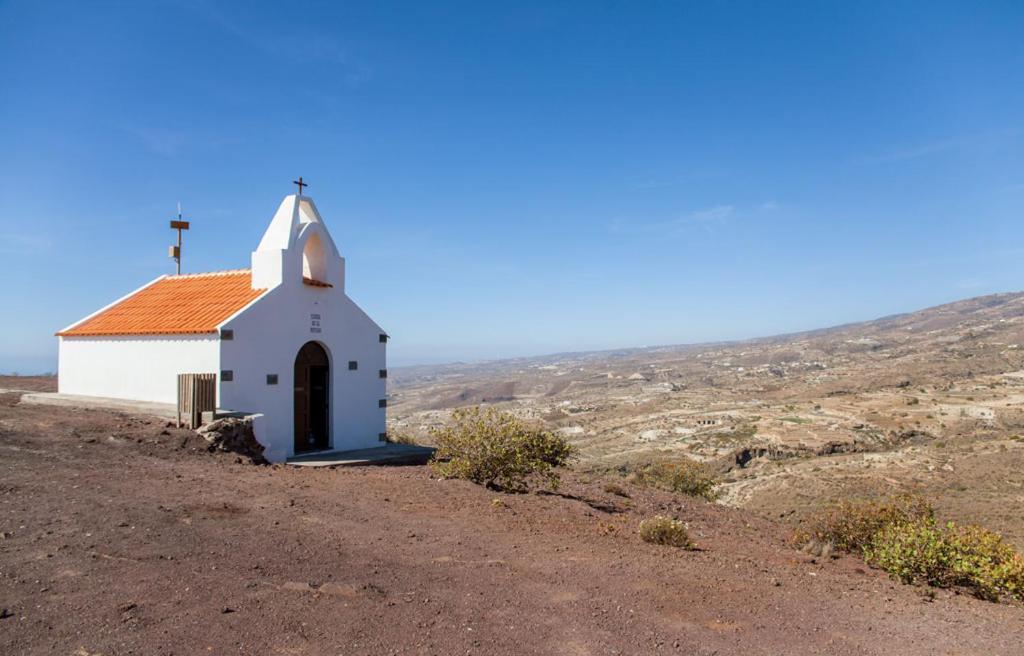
[(284, 339)]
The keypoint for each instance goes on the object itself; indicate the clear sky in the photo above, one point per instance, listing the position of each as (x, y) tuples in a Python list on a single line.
[(520, 178)]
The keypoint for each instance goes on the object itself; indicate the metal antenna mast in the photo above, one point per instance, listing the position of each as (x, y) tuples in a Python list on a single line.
[(175, 251)]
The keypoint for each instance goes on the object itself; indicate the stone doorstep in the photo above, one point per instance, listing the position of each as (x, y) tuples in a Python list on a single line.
[(392, 454)]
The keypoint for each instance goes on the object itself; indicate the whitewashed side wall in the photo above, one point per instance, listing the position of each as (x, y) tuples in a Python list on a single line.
[(266, 339), (142, 368)]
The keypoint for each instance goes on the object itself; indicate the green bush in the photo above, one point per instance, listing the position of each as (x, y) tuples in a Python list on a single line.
[(901, 536), (666, 531), (851, 525), (949, 556), (911, 551), (497, 449), (684, 477)]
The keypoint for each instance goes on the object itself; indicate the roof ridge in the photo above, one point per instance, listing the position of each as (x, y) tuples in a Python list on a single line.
[(225, 272)]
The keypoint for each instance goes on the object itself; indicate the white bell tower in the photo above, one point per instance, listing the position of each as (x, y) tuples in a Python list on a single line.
[(297, 249)]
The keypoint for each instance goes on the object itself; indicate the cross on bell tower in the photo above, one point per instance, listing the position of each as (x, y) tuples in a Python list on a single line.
[(300, 184)]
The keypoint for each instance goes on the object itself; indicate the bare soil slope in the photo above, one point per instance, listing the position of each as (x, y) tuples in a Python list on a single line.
[(123, 536)]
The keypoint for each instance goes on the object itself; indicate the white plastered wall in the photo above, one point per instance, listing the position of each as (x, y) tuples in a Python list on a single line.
[(266, 339), (141, 368)]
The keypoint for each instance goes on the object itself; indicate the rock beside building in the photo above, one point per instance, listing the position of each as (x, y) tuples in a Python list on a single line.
[(234, 435)]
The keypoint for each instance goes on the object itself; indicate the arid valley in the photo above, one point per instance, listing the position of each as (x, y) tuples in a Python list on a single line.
[(929, 401)]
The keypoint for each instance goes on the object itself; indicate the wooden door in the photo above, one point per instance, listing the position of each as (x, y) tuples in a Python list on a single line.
[(319, 377), (312, 398)]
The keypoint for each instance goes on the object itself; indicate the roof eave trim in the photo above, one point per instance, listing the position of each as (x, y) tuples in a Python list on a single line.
[(161, 333)]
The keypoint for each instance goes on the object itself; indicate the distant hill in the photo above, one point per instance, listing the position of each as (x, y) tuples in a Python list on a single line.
[(977, 312)]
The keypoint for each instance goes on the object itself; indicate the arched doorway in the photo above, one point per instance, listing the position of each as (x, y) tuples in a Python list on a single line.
[(312, 398)]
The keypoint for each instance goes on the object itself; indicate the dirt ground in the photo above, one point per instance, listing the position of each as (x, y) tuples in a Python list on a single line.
[(29, 383), (119, 535)]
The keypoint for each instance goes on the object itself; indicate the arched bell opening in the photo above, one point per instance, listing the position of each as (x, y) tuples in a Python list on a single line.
[(314, 259)]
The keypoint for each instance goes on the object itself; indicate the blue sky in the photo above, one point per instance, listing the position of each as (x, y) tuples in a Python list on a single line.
[(508, 179)]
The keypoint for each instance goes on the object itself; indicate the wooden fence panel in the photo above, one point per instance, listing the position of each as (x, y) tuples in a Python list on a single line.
[(197, 393)]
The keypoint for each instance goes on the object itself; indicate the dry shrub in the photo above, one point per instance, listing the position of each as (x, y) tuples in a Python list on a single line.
[(397, 437), (851, 525), (665, 530), (498, 450), (950, 556), (900, 535), (684, 477), (616, 489)]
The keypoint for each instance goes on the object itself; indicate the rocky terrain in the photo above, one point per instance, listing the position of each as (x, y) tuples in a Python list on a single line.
[(123, 535), (927, 401)]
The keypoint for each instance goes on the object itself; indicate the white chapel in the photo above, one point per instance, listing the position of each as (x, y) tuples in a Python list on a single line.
[(285, 341)]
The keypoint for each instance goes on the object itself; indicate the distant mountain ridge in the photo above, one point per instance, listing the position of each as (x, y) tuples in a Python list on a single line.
[(979, 308)]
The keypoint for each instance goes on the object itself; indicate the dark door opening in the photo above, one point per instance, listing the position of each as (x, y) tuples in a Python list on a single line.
[(312, 398)]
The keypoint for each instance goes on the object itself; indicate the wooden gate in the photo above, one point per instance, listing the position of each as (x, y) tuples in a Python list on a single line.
[(197, 393)]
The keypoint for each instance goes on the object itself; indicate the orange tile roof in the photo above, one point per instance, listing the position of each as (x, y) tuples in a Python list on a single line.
[(193, 303)]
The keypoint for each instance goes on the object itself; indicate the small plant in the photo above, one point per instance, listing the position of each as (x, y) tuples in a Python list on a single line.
[(616, 489), (684, 477), (498, 450), (949, 556), (396, 437), (901, 536), (851, 525), (666, 531)]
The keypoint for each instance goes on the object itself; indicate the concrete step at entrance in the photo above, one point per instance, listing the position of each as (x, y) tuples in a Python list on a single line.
[(390, 454)]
